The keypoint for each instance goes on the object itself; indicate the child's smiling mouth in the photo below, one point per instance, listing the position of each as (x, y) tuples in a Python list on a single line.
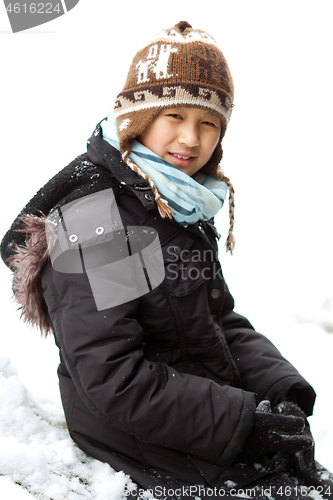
[(183, 159)]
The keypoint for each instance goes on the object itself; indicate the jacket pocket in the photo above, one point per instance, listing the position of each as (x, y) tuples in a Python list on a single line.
[(183, 272)]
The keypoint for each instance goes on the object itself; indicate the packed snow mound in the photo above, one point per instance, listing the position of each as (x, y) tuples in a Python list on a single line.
[(37, 455)]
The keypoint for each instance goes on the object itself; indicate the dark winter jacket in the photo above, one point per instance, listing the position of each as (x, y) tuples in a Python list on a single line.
[(164, 385)]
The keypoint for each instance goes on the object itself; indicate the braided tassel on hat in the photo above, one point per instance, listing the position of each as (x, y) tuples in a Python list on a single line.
[(230, 242)]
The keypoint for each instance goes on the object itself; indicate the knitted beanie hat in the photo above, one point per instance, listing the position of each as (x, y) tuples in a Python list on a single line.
[(180, 67)]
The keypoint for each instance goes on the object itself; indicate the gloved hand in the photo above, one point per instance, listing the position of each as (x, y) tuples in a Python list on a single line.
[(274, 432), (303, 465), (305, 459)]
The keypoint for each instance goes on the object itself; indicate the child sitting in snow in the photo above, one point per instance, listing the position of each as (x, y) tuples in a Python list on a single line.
[(117, 257)]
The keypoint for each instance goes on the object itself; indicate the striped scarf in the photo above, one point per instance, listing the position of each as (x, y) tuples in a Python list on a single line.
[(191, 198)]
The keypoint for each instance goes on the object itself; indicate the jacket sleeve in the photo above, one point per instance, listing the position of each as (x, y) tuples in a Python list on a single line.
[(103, 352), (262, 367)]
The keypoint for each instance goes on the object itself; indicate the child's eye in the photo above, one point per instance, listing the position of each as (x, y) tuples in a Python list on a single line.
[(209, 123), (174, 115)]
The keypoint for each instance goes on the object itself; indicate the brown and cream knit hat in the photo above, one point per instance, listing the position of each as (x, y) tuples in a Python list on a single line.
[(180, 67)]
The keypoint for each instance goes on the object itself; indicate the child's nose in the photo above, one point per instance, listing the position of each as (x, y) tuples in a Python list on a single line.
[(189, 136)]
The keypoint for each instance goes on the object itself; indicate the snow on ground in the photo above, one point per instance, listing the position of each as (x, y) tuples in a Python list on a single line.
[(37, 453)]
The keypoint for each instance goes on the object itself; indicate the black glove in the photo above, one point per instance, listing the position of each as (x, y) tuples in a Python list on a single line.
[(274, 432), (305, 459)]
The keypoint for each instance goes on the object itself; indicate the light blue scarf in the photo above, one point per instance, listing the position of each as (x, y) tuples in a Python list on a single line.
[(191, 198)]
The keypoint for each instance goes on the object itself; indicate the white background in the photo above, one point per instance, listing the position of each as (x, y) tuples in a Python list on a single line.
[(58, 80)]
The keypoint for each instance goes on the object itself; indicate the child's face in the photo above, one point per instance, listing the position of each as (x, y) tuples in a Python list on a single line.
[(184, 137)]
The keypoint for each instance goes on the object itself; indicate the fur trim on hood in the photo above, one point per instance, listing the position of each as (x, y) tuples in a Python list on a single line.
[(27, 262)]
